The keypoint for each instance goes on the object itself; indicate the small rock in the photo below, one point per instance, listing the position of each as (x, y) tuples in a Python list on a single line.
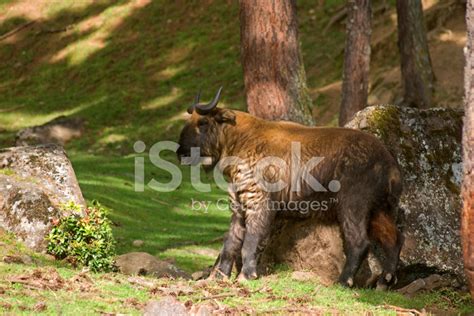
[(138, 243), (168, 306), (303, 276), (200, 275), (200, 310), (430, 283), (413, 287), (58, 131), (142, 263)]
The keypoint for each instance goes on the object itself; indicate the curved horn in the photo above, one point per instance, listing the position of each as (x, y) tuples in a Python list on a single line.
[(196, 101), (204, 109)]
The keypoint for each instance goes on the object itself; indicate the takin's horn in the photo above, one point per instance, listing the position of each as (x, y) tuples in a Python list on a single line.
[(196, 101), (204, 109)]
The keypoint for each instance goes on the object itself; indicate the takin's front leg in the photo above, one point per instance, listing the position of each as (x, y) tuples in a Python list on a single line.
[(231, 249), (257, 224)]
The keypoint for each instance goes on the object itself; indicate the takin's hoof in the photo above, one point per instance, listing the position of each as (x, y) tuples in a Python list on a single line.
[(386, 281), (217, 274), (349, 282), (243, 277)]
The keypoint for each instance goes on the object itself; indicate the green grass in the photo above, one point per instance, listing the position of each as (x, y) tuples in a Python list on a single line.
[(278, 293), (131, 70), (162, 220)]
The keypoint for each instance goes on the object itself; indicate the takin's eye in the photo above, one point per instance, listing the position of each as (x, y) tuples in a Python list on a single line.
[(202, 122)]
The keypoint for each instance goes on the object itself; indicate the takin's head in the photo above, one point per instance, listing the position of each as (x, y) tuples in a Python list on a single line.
[(204, 129)]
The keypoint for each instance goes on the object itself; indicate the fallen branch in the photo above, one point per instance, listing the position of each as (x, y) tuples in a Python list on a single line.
[(16, 30), (35, 285), (141, 282), (303, 310), (212, 297), (408, 311)]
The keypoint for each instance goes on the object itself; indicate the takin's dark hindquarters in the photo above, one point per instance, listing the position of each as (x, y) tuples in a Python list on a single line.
[(367, 198)]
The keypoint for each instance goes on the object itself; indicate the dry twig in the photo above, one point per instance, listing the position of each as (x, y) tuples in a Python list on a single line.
[(16, 30)]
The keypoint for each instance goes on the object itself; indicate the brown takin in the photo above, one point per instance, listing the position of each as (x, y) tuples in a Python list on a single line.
[(283, 168)]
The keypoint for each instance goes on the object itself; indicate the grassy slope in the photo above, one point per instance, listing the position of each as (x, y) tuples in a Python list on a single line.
[(130, 68)]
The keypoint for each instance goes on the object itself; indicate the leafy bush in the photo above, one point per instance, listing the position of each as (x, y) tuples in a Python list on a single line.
[(83, 240)]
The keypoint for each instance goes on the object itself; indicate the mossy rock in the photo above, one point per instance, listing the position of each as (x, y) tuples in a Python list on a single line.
[(34, 182), (427, 145)]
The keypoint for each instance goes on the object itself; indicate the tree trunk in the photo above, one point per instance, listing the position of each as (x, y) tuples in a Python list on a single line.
[(467, 221), (274, 76), (356, 60), (417, 71)]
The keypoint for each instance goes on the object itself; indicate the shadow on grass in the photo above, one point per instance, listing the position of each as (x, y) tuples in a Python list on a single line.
[(129, 67), (161, 219)]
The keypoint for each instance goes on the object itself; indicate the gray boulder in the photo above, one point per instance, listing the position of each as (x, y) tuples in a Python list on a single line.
[(58, 131), (427, 145), (34, 183)]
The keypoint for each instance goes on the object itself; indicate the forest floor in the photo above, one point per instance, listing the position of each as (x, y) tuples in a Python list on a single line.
[(130, 68)]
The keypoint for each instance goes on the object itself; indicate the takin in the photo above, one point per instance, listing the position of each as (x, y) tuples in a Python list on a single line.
[(341, 175)]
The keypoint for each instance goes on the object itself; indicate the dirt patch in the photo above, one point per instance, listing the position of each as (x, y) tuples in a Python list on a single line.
[(49, 279), (40, 279)]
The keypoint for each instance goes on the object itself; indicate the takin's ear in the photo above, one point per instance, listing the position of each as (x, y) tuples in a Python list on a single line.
[(225, 116)]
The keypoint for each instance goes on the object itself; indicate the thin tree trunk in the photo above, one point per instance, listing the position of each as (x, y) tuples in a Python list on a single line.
[(417, 71), (274, 76), (356, 60), (467, 222)]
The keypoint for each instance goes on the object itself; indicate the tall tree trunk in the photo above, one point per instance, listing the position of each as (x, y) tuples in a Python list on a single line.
[(356, 60), (274, 76), (417, 71), (467, 222)]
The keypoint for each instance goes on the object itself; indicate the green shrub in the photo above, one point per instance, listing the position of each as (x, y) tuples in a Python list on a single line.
[(83, 240)]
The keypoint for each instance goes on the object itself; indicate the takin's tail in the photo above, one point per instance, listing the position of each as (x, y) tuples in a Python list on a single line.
[(383, 227)]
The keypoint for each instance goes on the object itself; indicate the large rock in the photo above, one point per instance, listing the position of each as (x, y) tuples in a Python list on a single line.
[(427, 145), (34, 183), (58, 131)]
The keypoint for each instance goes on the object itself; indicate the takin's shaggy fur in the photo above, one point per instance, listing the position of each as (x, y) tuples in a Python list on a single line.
[(364, 204)]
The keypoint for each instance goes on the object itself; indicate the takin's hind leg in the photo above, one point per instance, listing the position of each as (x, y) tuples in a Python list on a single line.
[(356, 244), (384, 231), (231, 249)]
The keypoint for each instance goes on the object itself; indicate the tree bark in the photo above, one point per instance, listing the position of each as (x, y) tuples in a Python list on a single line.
[(274, 76), (355, 83), (417, 71), (467, 220)]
